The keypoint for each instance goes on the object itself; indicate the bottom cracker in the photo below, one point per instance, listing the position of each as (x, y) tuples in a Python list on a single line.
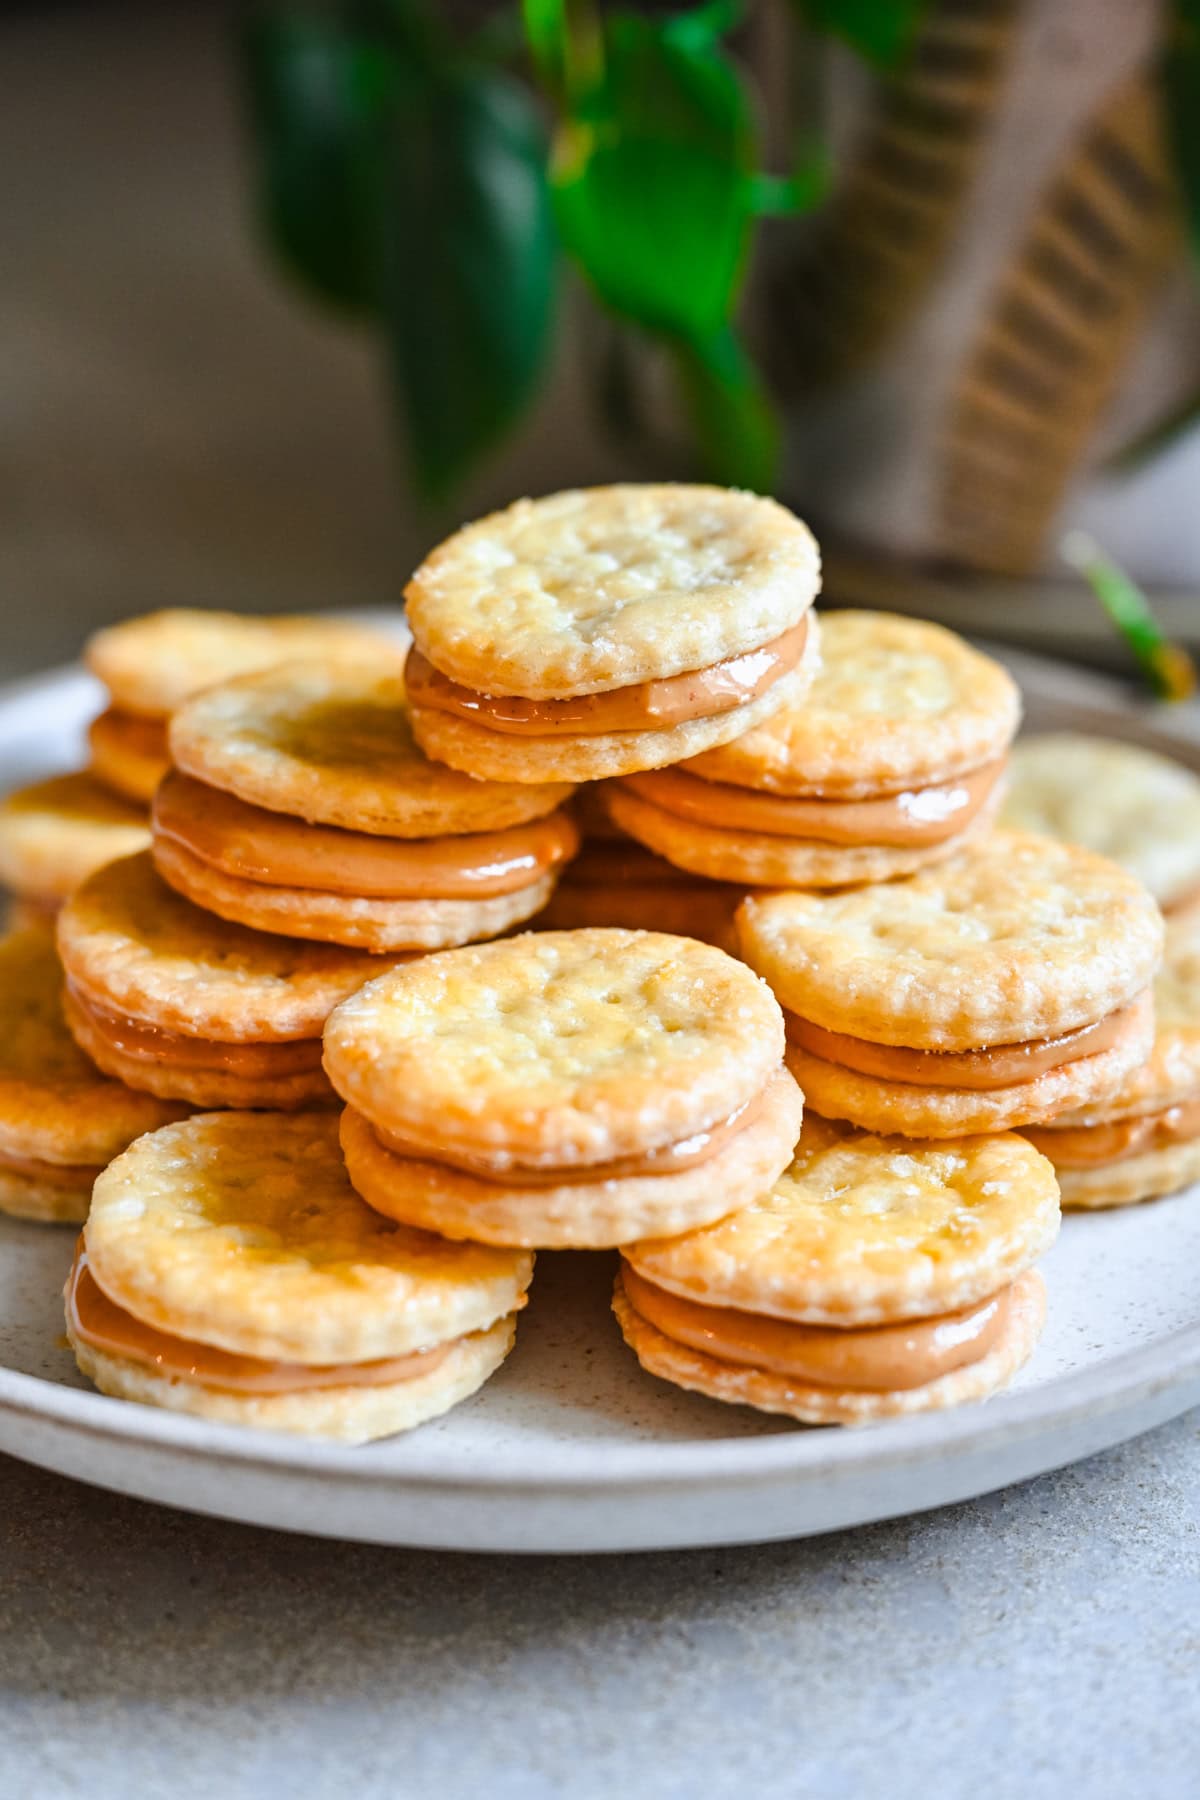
[(768, 1392), (1133, 1178), (49, 1203), (354, 1415)]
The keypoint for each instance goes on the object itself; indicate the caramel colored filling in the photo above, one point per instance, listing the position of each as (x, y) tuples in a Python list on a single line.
[(100, 1323), (647, 705), (281, 851), (999, 1066), (622, 863), (154, 1044), (924, 816), (1088, 1146), (667, 1160), (864, 1359), (128, 735), (58, 1175)]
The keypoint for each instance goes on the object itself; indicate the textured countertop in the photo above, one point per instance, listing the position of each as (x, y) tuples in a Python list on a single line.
[(1039, 1641)]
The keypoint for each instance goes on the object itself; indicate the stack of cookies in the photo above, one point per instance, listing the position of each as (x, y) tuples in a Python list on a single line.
[(773, 1038)]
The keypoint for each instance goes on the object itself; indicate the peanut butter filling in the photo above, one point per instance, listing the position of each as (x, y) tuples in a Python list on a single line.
[(869, 1359), (924, 816), (647, 705), (1088, 1146), (667, 1160), (998, 1066), (622, 863), (97, 1321), (154, 1044), (127, 734), (281, 851), (58, 1175)]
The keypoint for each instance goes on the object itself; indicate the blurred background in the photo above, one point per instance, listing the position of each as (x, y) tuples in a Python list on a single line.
[(289, 291)]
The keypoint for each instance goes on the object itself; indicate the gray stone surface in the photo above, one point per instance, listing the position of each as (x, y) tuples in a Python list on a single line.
[(1040, 1640)]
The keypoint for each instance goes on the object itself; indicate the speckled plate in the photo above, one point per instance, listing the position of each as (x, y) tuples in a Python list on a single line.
[(571, 1447)]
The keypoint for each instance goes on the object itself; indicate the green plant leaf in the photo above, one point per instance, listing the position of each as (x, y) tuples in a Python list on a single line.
[(470, 268), (882, 31), (1167, 666), (731, 413), (316, 99)]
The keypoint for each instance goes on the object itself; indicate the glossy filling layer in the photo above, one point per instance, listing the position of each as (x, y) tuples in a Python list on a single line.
[(58, 1175), (278, 850), (95, 1320), (648, 705), (127, 736), (908, 820), (999, 1066), (667, 1160), (152, 1044), (1088, 1146), (866, 1359)]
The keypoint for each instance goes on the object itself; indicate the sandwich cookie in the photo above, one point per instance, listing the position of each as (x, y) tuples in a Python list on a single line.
[(152, 664), (61, 1120), (876, 1277), (568, 1088), (56, 832), (177, 1003), (888, 762), (1130, 804), (1145, 1140), (1000, 988), (301, 804), (609, 629), (228, 1269)]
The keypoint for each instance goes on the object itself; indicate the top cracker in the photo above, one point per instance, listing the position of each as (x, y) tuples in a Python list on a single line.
[(606, 587)]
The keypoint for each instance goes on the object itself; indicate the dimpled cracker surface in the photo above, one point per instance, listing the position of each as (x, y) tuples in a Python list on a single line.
[(1125, 802), (896, 703), (861, 1230), (756, 859), (352, 1415), (152, 664), (332, 743), (242, 1231), (557, 1049), (377, 925), (53, 834), (135, 946), (1012, 938), (498, 757), (879, 1105), (55, 1106), (1171, 1072), (577, 1214), (607, 587), (768, 1392), (1132, 1178)]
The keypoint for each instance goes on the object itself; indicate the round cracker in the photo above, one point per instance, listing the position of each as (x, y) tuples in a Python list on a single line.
[(353, 1415), (901, 1106), (152, 664), (607, 587), (55, 1106), (759, 860), (896, 703), (1012, 938), (1132, 1178), (498, 756), (135, 946), (44, 1202), (865, 1230), (577, 1214), (333, 744), (1127, 803), (54, 833), (243, 1231), (768, 1392), (557, 1049), (366, 924)]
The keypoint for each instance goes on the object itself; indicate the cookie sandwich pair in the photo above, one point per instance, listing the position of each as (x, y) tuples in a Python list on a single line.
[(227, 1269), (890, 761)]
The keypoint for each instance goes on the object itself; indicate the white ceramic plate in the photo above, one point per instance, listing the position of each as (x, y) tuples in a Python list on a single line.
[(571, 1447)]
